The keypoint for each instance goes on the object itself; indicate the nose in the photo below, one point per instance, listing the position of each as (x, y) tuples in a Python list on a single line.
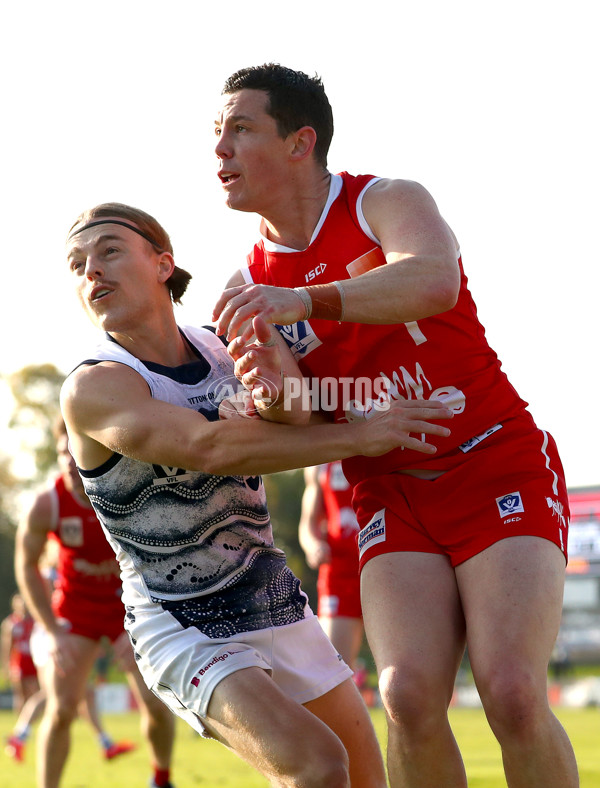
[(222, 148), (93, 269)]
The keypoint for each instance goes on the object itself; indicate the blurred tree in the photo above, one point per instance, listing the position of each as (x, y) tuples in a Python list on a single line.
[(36, 390), (8, 488)]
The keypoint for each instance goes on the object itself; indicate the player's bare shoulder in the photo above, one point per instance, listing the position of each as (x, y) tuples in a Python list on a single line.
[(41, 516), (396, 190), (91, 399), (91, 387), (395, 208), (236, 280)]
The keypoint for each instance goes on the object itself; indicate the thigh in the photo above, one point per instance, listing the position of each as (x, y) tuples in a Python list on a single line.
[(512, 598), (344, 711), (413, 616), (68, 688), (252, 716)]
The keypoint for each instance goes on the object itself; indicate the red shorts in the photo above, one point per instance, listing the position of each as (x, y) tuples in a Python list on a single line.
[(338, 587), (94, 620), (22, 667), (508, 482)]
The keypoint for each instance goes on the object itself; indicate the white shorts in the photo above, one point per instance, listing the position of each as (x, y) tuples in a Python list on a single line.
[(39, 643), (299, 657)]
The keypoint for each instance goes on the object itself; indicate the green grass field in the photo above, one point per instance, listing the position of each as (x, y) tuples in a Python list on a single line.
[(209, 765)]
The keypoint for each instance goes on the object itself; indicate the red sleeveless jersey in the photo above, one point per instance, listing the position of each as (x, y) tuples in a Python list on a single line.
[(342, 526), (443, 357), (87, 570)]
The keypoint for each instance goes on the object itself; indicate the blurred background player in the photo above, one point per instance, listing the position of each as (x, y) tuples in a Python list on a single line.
[(85, 608), (15, 635), (327, 533)]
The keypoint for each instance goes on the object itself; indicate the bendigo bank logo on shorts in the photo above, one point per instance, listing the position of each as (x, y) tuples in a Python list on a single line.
[(373, 533), (214, 661), (510, 504)]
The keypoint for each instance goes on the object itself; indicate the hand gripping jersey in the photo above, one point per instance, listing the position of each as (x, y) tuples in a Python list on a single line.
[(195, 546), (87, 574), (353, 366)]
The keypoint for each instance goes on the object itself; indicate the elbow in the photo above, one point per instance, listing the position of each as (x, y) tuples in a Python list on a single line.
[(446, 298), (443, 293), (213, 462)]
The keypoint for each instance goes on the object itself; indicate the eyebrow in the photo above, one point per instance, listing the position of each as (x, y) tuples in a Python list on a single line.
[(234, 119), (107, 237)]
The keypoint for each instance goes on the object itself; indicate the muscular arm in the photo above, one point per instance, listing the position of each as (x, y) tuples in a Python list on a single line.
[(108, 408), (32, 534), (311, 534), (421, 278)]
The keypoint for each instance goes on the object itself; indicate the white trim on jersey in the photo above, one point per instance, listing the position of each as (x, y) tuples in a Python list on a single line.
[(245, 272), (364, 225)]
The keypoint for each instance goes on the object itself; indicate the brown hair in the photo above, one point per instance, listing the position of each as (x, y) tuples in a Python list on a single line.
[(179, 279)]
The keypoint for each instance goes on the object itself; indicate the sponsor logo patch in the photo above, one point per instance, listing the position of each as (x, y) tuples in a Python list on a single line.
[(373, 533), (510, 504), (214, 661)]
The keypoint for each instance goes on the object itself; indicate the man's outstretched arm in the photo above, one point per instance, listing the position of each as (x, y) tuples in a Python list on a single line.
[(107, 408)]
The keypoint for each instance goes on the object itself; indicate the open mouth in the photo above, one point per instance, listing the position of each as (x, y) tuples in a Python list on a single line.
[(99, 293), (228, 177)]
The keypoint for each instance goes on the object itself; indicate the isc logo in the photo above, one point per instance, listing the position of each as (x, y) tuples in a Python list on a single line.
[(317, 271)]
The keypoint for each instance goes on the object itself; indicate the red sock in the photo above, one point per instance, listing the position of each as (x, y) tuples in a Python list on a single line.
[(161, 777)]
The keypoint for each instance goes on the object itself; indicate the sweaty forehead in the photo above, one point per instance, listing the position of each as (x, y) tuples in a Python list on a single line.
[(246, 102)]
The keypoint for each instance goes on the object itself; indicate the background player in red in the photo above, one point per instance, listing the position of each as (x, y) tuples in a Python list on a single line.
[(15, 635), (85, 607), (327, 533), (463, 546), (34, 706)]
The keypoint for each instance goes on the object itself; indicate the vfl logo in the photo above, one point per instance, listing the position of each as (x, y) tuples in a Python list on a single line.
[(373, 533), (300, 338), (510, 504), (317, 271), (165, 474), (71, 531)]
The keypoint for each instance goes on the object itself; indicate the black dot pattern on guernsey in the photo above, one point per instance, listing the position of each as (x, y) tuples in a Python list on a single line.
[(171, 574), (236, 609), (199, 547)]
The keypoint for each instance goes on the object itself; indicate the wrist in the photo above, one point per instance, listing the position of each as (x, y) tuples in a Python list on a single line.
[(327, 302)]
